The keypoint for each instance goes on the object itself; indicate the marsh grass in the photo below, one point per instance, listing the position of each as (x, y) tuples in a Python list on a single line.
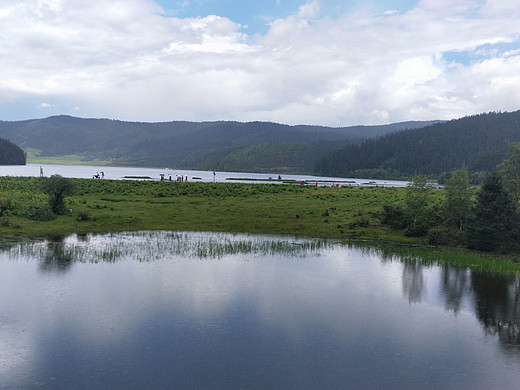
[(455, 257)]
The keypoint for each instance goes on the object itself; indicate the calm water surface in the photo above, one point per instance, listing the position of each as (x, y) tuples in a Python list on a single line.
[(117, 173), (221, 311)]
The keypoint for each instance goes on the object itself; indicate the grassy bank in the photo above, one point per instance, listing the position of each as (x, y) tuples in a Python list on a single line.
[(109, 205), (71, 159)]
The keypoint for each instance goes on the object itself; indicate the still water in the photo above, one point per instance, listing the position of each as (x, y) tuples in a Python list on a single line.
[(118, 173), (225, 311)]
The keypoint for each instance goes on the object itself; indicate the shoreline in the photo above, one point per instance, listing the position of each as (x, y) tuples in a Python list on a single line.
[(105, 206)]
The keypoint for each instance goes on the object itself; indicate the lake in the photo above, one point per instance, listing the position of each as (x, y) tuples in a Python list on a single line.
[(117, 173), (202, 310)]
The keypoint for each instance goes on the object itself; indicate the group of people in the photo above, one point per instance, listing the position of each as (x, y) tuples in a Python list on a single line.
[(179, 178)]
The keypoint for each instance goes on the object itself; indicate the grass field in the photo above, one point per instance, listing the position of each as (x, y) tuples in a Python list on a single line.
[(71, 159), (108, 205), (121, 205)]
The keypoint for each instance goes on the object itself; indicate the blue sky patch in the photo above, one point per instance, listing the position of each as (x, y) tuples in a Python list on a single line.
[(257, 15), (480, 53)]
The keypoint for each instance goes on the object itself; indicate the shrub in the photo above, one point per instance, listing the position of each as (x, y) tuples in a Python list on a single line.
[(57, 187), (83, 216), (446, 236), (418, 229), (393, 216), (6, 205), (40, 213)]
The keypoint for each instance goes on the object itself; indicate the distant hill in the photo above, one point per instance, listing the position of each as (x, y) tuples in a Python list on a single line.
[(252, 146), (11, 154), (480, 142)]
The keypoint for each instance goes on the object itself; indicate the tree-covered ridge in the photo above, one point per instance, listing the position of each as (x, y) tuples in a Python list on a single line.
[(190, 145), (11, 154), (479, 142)]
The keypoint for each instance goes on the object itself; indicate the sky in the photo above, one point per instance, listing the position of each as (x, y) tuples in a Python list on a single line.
[(317, 62)]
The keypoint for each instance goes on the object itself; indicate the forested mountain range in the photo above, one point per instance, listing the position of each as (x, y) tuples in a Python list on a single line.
[(480, 142), (11, 154), (229, 146)]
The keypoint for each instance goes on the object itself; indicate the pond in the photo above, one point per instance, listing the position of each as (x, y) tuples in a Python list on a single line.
[(226, 311)]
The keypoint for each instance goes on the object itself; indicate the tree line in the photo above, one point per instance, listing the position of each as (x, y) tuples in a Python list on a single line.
[(221, 145), (479, 142), (488, 220)]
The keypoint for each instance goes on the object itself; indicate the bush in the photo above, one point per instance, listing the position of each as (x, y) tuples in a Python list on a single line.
[(361, 222), (83, 216), (446, 236), (57, 188), (393, 216), (6, 205), (418, 229), (40, 213)]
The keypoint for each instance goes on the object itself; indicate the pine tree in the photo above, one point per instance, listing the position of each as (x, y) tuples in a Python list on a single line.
[(494, 224), (510, 170)]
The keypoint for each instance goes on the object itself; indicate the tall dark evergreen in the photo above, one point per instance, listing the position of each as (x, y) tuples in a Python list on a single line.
[(510, 170), (494, 225)]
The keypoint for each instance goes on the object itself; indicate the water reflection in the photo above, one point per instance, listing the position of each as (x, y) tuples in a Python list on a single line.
[(201, 310), (497, 306), (149, 246), (57, 256), (495, 299), (455, 286), (413, 280)]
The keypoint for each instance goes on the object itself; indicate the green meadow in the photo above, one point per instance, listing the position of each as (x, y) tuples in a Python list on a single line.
[(70, 159), (126, 205), (121, 205)]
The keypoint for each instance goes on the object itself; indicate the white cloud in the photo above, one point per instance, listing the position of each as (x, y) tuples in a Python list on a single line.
[(126, 60)]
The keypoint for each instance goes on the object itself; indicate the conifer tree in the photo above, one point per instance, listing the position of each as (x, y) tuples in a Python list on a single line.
[(510, 170), (494, 224)]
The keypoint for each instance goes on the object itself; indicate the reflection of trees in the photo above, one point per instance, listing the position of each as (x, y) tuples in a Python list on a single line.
[(497, 306), (496, 298), (413, 280), (57, 257), (455, 283)]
